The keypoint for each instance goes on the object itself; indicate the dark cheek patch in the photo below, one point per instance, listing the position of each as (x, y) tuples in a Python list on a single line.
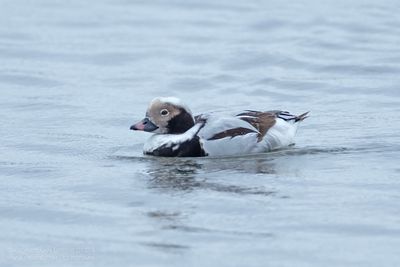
[(180, 123)]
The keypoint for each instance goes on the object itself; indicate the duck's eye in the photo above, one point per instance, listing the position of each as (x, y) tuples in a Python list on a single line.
[(164, 112)]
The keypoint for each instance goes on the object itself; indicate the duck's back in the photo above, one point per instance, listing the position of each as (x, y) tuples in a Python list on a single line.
[(248, 132)]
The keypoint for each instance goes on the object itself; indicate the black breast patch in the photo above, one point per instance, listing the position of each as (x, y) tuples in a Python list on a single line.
[(190, 148)]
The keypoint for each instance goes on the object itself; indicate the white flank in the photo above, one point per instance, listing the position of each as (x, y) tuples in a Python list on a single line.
[(280, 135), (238, 145), (217, 124)]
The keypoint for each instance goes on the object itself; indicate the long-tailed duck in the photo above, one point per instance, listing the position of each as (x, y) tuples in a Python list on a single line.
[(178, 134)]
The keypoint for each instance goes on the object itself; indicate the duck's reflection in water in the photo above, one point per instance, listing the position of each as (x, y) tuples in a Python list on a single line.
[(187, 174)]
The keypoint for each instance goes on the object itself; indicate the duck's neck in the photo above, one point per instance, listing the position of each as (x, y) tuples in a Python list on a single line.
[(180, 123)]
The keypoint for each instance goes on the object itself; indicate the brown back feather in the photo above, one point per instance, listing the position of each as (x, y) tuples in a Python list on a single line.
[(231, 133), (262, 121)]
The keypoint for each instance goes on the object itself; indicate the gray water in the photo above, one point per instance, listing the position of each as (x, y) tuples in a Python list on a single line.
[(75, 189)]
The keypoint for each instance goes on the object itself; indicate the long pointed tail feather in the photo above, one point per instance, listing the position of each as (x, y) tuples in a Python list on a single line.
[(302, 116), (284, 115)]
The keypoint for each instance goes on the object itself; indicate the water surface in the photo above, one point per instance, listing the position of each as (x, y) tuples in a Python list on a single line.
[(76, 190)]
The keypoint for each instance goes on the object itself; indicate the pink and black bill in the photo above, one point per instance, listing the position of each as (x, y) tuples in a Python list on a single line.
[(144, 125)]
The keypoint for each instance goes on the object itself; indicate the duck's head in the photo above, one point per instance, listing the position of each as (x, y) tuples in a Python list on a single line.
[(166, 115)]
